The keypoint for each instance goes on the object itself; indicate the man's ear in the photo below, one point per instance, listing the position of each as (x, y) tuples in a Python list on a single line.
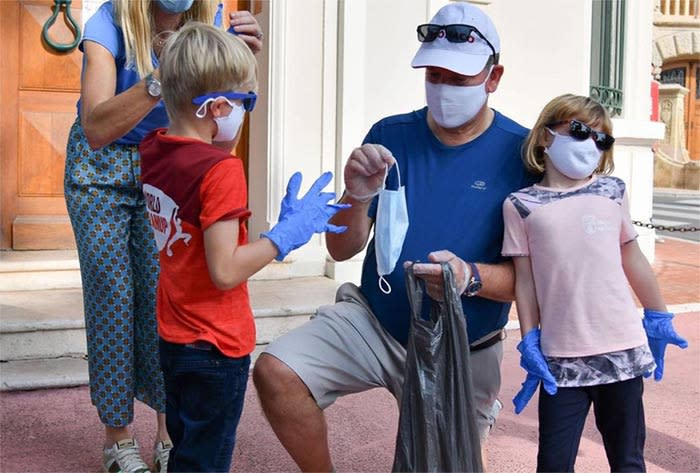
[(494, 79)]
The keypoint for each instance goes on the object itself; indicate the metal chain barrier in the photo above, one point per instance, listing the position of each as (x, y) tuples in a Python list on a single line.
[(664, 228)]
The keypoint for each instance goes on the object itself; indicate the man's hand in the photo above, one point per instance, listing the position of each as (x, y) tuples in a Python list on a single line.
[(365, 171), (431, 273), (660, 333)]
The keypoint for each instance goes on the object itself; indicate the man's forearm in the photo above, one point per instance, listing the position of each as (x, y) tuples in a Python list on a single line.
[(343, 246), (498, 281)]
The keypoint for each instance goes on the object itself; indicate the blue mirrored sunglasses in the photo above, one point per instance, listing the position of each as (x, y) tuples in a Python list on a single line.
[(247, 99)]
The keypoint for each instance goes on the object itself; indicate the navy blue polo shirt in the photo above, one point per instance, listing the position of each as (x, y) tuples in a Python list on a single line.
[(454, 196)]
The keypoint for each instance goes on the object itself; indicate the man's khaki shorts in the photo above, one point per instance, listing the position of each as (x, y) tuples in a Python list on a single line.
[(343, 349)]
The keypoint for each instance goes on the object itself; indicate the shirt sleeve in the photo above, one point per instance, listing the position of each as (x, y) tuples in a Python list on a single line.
[(627, 231), (514, 233), (100, 28), (223, 193)]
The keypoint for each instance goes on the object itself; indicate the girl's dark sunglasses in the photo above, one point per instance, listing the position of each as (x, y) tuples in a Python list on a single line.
[(247, 99), (453, 33), (581, 131)]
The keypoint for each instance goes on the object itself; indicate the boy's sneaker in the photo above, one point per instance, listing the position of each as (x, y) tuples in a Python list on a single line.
[(161, 453), (123, 457)]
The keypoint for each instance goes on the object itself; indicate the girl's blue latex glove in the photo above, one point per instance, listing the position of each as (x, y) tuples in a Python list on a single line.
[(301, 218), (532, 360), (660, 332)]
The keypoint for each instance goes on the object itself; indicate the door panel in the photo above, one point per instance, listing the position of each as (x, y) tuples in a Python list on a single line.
[(39, 90)]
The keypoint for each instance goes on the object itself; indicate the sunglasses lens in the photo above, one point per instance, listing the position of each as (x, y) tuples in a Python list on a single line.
[(603, 142), (428, 33), (458, 33), (579, 131)]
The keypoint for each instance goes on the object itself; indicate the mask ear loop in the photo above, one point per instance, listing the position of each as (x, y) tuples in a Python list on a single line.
[(202, 110), (384, 285)]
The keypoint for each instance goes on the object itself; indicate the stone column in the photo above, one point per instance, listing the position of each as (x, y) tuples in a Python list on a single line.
[(672, 113)]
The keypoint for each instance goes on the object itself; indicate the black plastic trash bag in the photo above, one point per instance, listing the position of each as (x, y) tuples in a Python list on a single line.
[(437, 423)]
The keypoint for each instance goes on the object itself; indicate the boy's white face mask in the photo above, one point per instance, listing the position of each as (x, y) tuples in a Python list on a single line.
[(390, 230)]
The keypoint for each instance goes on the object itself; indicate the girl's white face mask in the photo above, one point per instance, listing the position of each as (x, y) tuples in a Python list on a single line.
[(228, 126), (573, 158), (390, 230), (452, 105)]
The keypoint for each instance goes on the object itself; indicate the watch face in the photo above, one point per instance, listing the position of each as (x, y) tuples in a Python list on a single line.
[(154, 88), (473, 288)]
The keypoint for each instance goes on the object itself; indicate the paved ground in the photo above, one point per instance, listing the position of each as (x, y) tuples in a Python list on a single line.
[(677, 208), (57, 430)]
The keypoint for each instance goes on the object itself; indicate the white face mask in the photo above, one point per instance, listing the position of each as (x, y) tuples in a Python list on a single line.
[(452, 105), (573, 158), (227, 127), (390, 230)]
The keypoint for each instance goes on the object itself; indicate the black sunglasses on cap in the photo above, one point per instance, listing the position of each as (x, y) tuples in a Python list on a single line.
[(580, 131), (453, 33)]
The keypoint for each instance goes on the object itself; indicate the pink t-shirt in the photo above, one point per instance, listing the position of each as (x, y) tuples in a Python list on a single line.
[(573, 239)]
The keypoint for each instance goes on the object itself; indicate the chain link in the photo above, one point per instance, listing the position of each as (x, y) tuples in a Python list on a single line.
[(664, 228)]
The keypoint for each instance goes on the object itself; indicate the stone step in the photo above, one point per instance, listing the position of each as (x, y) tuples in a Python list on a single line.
[(60, 269), (62, 372), (50, 324)]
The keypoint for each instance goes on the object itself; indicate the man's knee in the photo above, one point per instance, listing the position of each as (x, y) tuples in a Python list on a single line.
[(272, 377)]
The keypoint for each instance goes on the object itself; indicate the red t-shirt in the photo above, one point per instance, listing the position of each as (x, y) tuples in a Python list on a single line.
[(190, 185)]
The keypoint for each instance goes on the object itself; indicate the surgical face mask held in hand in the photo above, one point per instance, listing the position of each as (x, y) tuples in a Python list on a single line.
[(573, 158), (390, 230), (452, 105)]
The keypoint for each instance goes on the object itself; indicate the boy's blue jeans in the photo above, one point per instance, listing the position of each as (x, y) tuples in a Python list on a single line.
[(205, 391)]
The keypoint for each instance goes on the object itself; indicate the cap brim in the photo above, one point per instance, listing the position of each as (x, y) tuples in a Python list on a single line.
[(461, 63)]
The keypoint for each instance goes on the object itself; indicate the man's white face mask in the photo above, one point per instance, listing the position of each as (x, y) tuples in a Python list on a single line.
[(453, 105), (390, 230)]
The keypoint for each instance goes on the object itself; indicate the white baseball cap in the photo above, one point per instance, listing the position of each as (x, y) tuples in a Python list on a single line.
[(467, 58)]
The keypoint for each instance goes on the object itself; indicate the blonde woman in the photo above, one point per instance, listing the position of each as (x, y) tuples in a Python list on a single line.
[(119, 104)]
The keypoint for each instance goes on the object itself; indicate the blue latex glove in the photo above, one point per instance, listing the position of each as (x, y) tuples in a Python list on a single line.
[(660, 332), (301, 218), (218, 19), (532, 360)]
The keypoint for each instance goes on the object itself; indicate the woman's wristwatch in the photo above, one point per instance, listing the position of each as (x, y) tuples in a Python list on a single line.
[(474, 281), (153, 86)]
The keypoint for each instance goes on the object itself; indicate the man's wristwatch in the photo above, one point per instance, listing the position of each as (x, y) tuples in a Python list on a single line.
[(153, 86), (474, 283)]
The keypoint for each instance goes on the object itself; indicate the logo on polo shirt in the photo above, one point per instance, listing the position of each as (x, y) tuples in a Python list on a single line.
[(479, 185), (162, 213)]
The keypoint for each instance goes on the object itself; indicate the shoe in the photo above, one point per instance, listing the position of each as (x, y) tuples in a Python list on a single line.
[(123, 457), (161, 453)]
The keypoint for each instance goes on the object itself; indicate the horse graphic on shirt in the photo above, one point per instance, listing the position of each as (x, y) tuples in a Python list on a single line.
[(162, 213)]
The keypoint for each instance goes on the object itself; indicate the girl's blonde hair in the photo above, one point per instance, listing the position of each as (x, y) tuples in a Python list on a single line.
[(563, 108), (200, 59), (136, 21)]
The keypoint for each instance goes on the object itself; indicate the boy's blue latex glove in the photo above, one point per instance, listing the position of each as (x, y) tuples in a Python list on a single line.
[(532, 360), (301, 218), (660, 332)]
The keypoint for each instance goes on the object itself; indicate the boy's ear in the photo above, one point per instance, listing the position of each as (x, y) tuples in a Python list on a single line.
[(219, 108)]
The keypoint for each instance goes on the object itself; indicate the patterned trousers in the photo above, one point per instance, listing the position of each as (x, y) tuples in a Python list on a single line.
[(119, 271)]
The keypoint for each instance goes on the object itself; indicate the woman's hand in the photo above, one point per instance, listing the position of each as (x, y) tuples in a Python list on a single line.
[(247, 28)]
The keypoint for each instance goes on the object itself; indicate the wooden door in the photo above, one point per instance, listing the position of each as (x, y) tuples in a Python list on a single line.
[(39, 89), (38, 93)]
